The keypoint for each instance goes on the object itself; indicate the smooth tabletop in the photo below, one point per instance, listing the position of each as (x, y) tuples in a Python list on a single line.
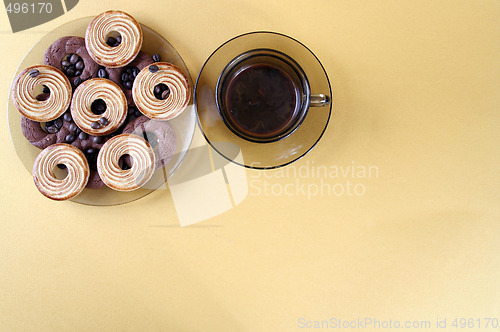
[(392, 218)]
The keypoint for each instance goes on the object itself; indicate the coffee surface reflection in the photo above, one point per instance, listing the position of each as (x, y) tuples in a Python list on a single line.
[(261, 100)]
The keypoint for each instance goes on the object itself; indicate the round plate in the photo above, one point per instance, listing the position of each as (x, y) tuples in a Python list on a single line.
[(184, 125), (270, 154)]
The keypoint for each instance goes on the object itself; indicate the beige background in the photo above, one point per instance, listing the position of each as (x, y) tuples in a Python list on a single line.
[(416, 86)]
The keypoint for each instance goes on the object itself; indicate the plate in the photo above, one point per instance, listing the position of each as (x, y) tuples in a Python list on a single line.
[(258, 155), (184, 125)]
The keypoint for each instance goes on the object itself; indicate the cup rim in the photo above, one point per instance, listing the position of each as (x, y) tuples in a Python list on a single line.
[(304, 99)]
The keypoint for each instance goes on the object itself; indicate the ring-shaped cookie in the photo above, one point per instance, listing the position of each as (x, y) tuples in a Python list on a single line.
[(143, 162), (145, 99), (116, 106), (24, 98), (106, 23), (76, 164)]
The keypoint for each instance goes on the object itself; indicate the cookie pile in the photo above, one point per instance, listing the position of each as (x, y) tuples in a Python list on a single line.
[(100, 109)]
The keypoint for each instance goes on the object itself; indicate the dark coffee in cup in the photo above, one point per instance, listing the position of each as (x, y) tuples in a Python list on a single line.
[(261, 100), (263, 95)]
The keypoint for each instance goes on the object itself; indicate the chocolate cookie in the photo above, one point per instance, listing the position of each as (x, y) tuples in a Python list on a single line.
[(125, 76), (33, 131), (70, 56), (159, 134)]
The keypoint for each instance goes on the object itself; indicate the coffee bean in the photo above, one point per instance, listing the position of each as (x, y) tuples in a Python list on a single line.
[(65, 63), (67, 117), (125, 76), (91, 155), (45, 89), (104, 121), (83, 135), (129, 70), (51, 129), (165, 94), (34, 73), (92, 159), (111, 41), (74, 58), (159, 91), (119, 39), (72, 127), (153, 68), (71, 72), (42, 96), (102, 73), (156, 57), (128, 85), (98, 139), (58, 123), (77, 81), (95, 125), (70, 138), (98, 106), (77, 131), (61, 166), (78, 73), (135, 72), (79, 65)]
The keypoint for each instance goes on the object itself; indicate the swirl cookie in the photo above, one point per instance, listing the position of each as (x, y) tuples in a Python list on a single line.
[(47, 182), (117, 54), (161, 91), (115, 106), (70, 55), (42, 135), (90, 145), (159, 134), (141, 170), (32, 107)]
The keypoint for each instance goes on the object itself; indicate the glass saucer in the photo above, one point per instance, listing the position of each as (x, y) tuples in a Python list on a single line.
[(184, 125), (257, 155)]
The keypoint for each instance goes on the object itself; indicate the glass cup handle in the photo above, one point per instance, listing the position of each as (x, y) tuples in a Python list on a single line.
[(319, 100)]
